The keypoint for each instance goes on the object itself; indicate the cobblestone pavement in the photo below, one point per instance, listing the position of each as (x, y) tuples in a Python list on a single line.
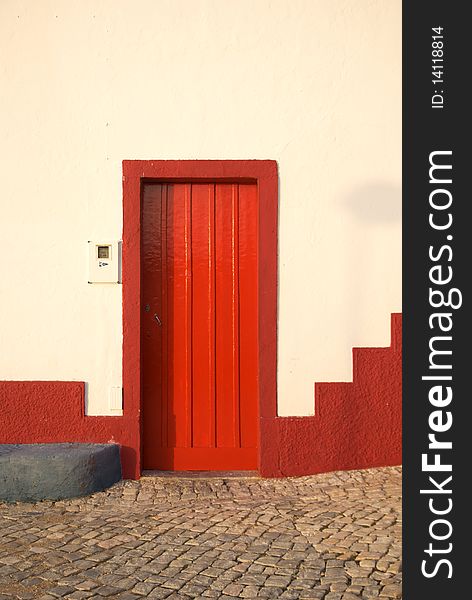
[(335, 536)]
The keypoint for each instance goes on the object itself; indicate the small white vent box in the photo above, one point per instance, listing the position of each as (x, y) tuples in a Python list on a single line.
[(104, 262)]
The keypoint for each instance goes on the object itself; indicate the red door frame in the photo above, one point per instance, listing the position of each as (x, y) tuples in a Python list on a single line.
[(264, 174)]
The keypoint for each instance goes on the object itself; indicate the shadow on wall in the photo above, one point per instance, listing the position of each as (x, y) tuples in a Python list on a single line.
[(376, 208), (376, 203)]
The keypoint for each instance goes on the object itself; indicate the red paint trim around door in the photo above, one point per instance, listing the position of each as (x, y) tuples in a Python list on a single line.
[(264, 174)]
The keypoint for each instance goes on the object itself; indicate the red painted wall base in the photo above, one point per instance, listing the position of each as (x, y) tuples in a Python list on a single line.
[(33, 412), (356, 425)]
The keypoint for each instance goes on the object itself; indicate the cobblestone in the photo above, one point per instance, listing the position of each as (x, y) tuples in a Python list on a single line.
[(335, 536)]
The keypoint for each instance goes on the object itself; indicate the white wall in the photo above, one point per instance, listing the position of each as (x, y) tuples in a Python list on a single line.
[(314, 84)]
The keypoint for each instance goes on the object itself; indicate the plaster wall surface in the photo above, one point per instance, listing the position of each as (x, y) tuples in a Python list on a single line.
[(313, 84)]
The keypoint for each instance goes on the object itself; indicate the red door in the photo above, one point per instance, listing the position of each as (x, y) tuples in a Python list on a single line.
[(199, 326)]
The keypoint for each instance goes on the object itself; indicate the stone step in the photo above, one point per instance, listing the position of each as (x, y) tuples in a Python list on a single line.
[(34, 472)]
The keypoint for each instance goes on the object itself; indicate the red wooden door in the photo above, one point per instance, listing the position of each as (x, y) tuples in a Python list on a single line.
[(199, 326)]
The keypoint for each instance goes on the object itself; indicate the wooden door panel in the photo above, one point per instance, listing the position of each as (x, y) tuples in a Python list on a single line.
[(203, 312), (227, 317), (199, 276), (179, 374), (248, 322), (152, 341)]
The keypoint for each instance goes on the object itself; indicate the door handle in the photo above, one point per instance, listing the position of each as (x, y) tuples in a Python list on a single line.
[(157, 319)]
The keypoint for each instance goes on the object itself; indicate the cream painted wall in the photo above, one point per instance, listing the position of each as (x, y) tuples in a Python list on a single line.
[(314, 84)]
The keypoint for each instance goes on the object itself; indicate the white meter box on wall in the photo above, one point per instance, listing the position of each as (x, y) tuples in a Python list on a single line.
[(104, 262)]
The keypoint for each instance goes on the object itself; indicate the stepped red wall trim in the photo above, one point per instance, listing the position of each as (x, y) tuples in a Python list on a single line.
[(356, 425), (53, 411)]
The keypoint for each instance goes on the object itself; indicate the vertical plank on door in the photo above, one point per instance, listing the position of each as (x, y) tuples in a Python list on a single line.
[(203, 317), (188, 316), (248, 310), (235, 321), (227, 368), (180, 339), (152, 337), (166, 202)]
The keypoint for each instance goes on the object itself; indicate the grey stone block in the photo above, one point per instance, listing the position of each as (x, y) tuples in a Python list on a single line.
[(32, 472)]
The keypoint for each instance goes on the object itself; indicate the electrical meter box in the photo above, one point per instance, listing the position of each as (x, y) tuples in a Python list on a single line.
[(104, 261)]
